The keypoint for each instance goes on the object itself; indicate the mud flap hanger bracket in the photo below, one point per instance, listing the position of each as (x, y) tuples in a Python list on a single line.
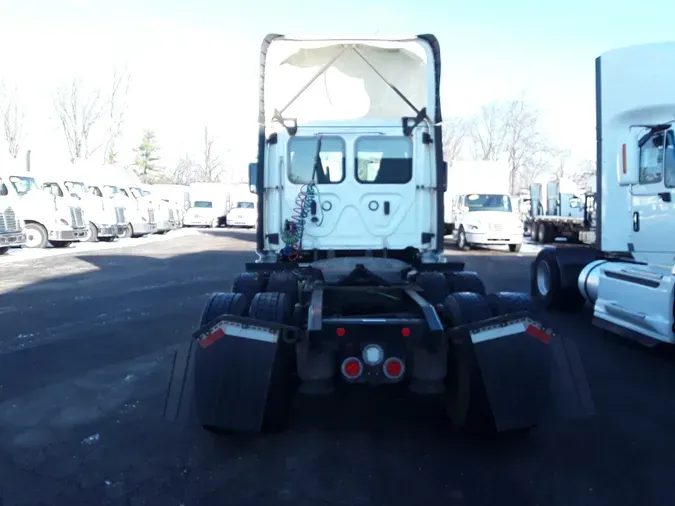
[(292, 128)]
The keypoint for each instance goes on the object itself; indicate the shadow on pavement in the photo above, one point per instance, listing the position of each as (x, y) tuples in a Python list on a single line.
[(85, 361)]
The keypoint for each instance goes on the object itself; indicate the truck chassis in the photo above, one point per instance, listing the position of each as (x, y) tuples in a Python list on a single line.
[(287, 327)]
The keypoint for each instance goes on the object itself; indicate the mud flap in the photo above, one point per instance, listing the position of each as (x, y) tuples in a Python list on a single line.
[(229, 362), (530, 375)]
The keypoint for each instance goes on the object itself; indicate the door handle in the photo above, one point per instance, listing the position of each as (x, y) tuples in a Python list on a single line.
[(636, 221), (665, 196), (386, 207)]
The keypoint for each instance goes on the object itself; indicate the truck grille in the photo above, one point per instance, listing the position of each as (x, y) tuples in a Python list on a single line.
[(119, 213), (76, 217), (151, 215), (8, 221), (496, 227)]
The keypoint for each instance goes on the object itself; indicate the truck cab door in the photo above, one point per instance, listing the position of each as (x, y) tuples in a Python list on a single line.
[(652, 199)]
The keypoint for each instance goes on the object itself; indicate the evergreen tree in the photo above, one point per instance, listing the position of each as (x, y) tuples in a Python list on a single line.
[(146, 158)]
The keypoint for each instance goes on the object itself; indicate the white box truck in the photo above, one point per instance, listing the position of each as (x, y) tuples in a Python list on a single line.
[(478, 207), (209, 204)]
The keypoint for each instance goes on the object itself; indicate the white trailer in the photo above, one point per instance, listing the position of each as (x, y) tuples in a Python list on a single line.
[(478, 207), (209, 204), (628, 277), (11, 225)]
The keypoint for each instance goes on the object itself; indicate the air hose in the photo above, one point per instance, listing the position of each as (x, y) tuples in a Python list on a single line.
[(292, 235)]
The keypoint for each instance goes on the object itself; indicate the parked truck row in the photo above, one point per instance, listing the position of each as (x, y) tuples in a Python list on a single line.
[(57, 206)]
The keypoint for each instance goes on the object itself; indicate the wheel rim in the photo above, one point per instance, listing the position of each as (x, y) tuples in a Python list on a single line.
[(32, 239), (543, 278)]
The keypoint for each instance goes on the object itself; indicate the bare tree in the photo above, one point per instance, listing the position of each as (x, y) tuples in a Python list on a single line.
[(12, 119), (212, 168), (454, 135), (584, 174), (488, 131), (524, 144), (116, 107), (78, 113), (185, 172)]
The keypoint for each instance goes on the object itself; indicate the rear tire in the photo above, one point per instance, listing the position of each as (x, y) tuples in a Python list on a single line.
[(248, 284), (434, 286), (276, 307), (464, 281), (60, 244), (466, 400), (286, 283)]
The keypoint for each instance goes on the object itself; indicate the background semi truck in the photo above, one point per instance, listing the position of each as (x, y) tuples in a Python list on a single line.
[(48, 219), (628, 276), (478, 206), (11, 225), (209, 204)]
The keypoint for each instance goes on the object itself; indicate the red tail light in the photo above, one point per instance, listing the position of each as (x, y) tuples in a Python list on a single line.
[(394, 368), (352, 368)]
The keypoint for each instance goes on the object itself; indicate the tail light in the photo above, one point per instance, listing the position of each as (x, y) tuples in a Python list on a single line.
[(352, 368), (393, 368)]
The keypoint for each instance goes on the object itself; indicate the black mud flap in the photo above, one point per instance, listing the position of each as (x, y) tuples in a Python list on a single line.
[(228, 365), (530, 375)]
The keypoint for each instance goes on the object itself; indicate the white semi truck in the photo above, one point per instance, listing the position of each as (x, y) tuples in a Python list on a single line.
[(478, 207), (351, 286), (209, 204), (243, 208), (125, 188), (48, 218), (628, 277), (165, 212), (11, 225), (71, 182)]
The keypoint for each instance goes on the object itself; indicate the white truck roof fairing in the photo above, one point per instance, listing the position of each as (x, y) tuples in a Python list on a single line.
[(634, 86), (349, 82)]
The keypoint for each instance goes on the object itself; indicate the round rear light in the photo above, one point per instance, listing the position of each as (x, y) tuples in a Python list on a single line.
[(393, 368), (373, 354), (352, 368)]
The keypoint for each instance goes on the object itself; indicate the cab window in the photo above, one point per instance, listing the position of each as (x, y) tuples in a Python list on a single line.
[(651, 159), (669, 162), (95, 190), (301, 157), (3, 188), (53, 188), (384, 160)]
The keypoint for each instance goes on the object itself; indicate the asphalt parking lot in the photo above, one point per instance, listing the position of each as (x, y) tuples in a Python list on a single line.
[(86, 344)]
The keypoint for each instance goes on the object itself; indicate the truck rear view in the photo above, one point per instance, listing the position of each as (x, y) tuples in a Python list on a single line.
[(351, 286)]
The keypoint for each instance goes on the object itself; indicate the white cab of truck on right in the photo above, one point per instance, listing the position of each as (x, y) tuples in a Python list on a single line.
[(628, 277), (478, 206)]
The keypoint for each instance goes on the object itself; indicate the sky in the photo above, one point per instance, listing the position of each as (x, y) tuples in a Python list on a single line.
[(195, 62)]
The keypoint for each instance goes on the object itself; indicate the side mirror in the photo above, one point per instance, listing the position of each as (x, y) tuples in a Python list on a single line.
[(75, 196), (628, 162), (3, 190), (252, 177)]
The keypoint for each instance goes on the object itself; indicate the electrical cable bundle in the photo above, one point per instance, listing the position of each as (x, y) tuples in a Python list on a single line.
[(292, 237)]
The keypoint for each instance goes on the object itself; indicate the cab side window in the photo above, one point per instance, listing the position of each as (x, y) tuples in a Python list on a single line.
[(651, 159), (53, 188), (669, 162)]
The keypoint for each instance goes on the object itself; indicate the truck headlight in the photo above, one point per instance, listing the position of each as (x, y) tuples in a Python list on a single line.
[(473, 226), (64, 222)]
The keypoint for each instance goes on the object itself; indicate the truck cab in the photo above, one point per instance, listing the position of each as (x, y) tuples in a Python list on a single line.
[(11, 225), (101, 218), (243, 213), (479, 209), (165, 215), (49, 217), (628, 276)]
